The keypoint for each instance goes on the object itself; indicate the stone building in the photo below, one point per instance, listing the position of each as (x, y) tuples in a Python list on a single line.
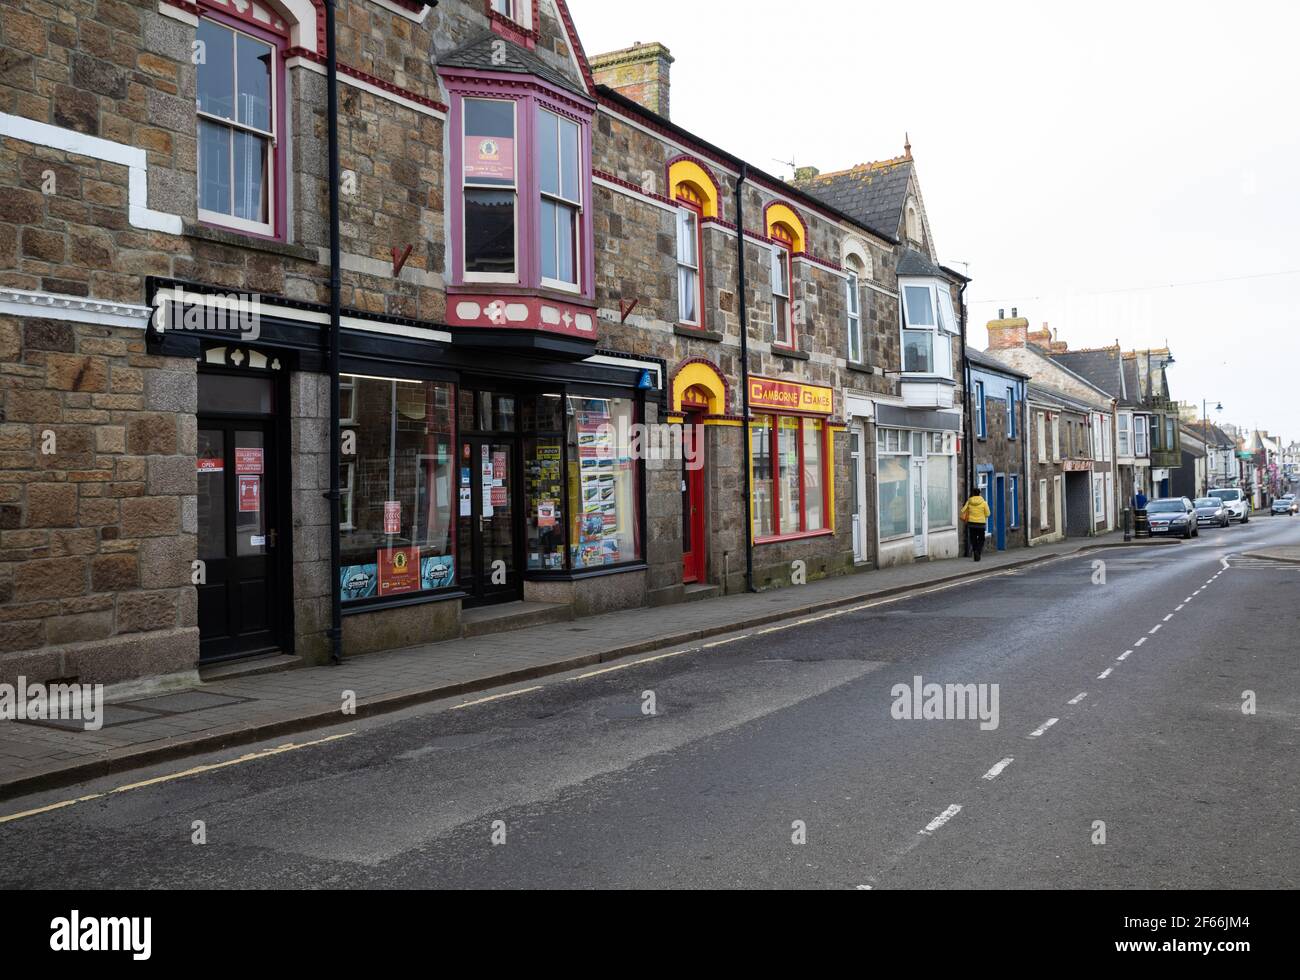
[(1060, 466), (1000, 450), (536, 262)]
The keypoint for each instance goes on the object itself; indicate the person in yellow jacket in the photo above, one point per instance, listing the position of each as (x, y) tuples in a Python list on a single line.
[(975, 512)]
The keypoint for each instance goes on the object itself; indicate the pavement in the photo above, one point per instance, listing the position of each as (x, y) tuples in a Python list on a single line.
[(240, 711), (1147, 735)]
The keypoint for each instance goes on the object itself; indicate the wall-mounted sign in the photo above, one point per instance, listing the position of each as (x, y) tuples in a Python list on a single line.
[(489, 158), (768, 393), (250, 494), (248, 461), (1077, 465)]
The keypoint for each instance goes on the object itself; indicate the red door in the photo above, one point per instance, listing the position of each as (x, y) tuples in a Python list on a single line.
[(694, 552)]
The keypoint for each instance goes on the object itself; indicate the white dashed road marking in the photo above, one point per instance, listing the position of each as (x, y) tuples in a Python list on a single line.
[(997, 770), (1140, 642), (1171, 615), (1105, 673), (1039, 732), (1124, 656), (1157, 629), (941, 819), (1079, 698)]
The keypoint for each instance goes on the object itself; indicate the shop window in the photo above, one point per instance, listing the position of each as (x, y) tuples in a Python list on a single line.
[(790, 456), (604, 486), (894, 475), (397, 538), (240, 91), (939, 488), (545, 503)]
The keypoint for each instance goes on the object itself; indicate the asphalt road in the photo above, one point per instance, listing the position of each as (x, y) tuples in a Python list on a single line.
[(783, 732)]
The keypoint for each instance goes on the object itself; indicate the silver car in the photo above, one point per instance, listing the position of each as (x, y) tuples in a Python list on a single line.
[(1212, 512)]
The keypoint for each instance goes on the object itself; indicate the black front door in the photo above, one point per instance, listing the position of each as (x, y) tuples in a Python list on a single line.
[(239, 594), (489, 521)]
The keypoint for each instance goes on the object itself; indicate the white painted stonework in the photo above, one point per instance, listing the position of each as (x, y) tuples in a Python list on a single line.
[(56, 306), (133, 158)]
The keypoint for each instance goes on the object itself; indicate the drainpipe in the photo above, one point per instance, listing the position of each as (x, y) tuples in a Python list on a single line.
[(967, 431), (741, 303), (336, 601)]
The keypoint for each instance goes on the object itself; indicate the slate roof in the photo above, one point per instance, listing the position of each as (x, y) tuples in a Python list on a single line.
[(479, 54), (992, 364), (913, 263), (872, 193), (1099, 368), (1046, 393)]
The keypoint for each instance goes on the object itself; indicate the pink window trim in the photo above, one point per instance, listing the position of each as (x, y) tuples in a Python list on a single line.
[(513, 30), (528, 97), (279, 206)]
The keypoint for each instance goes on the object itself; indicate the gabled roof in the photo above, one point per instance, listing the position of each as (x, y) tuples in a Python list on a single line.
[(993, 364), (1100, 368), (873, 193), (1039, 392), (492, 52)]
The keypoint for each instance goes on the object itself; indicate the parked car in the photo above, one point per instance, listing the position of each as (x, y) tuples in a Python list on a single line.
[(1287, 505), (1212, 512), (1173, 515), (1237, 502)]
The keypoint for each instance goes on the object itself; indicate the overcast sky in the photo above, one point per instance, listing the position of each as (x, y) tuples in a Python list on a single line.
[(1081, 158)]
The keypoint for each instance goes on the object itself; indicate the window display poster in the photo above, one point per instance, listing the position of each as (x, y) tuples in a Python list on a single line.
[(248, 460), (466, 502), (399, 571), (499, 498), (546, 514), (437, 573), (250, 494), (498, 466), (358, 582), (489, 158), (392, 517), (217, 465)]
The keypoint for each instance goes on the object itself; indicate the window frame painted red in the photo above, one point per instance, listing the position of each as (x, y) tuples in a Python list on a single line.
[(277, 168), (698, 211), (528, 101), (774, 455)]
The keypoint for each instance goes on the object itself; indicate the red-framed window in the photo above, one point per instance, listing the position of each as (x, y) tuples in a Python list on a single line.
[(791, 457), (520, 215), (690, 253), (783, 318), (240, 108)]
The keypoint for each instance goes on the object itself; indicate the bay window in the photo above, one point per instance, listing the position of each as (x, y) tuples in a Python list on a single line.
[(489, 173), (1140, 436), (929, 323), (558, 155), (239, 97), (790, 486)]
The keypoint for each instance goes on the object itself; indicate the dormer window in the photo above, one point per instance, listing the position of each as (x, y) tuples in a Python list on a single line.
[(517, 12)]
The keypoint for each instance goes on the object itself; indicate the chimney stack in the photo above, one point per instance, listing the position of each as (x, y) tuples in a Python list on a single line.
[(1007, 334), (640, 73)]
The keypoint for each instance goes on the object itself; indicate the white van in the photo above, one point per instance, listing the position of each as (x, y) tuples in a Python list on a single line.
[(1236, 502)]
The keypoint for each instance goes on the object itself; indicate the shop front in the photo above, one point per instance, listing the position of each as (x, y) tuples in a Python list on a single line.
[(916, 484), (467, 478)]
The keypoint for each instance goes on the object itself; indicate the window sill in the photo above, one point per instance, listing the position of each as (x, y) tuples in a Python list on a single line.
[(222, 236), (795, 537), (383, 605), (684, 330), (921, 378), (515, 289), (791, 353), (858, 367)]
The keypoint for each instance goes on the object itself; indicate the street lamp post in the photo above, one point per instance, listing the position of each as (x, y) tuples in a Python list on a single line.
[(1205, 429)]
